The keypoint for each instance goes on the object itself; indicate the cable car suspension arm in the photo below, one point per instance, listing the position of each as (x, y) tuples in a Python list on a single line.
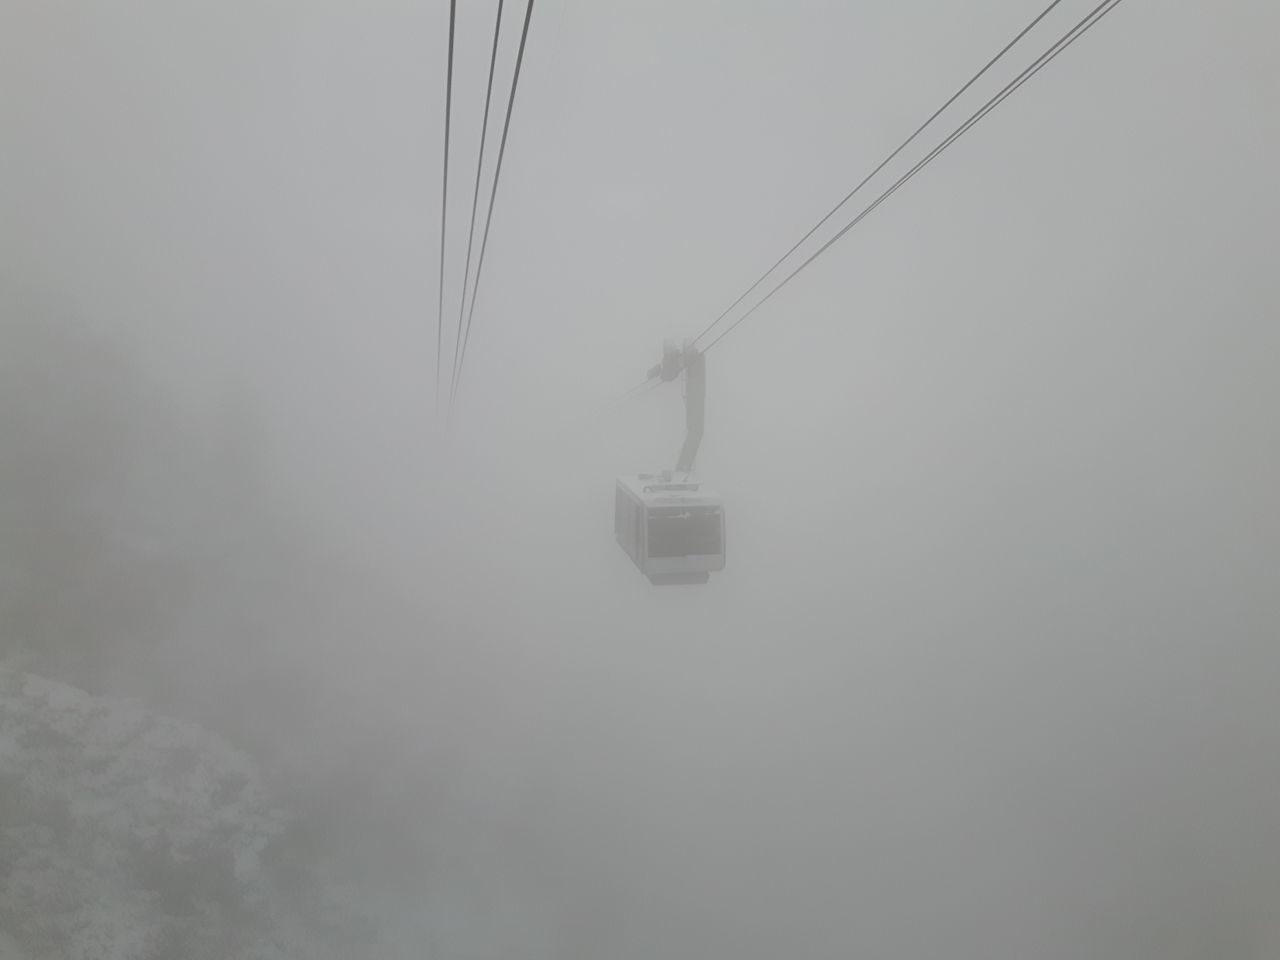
[(690, 362)]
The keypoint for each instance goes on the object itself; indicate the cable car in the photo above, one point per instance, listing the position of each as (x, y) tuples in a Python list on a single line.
[(669, 524)]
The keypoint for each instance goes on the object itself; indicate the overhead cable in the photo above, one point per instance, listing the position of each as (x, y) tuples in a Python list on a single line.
[(644, 386), (883, 163), (1087, 23), (444, 193), (484, 243), (475, 197)]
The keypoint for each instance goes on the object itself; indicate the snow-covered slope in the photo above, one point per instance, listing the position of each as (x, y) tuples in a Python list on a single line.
[(9, 948), (128, 836)]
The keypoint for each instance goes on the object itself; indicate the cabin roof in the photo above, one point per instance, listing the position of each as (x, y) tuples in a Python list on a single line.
[(658, 489)]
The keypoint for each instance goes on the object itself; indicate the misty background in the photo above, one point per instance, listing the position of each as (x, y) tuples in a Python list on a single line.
[(992, 669)]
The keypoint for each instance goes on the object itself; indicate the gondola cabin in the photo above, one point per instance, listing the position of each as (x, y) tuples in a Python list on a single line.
[(671, 526)]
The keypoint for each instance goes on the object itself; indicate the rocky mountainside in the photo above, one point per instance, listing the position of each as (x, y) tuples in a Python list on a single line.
[(128, 836)]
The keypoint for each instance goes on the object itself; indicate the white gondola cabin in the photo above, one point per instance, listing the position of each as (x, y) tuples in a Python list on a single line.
[(671, 526)]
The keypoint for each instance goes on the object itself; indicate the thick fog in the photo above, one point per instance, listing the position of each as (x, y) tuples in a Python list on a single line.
[(992, 669)]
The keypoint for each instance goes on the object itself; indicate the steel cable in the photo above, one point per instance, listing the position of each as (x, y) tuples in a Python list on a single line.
[(484, 243), (1082, 27), (883, 163), (475, 197), (444, 194)]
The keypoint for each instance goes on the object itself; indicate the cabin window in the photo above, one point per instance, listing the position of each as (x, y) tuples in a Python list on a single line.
[(684, 531)]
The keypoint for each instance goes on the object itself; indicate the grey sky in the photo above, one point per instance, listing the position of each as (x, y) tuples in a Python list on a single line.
[(991, 669)]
